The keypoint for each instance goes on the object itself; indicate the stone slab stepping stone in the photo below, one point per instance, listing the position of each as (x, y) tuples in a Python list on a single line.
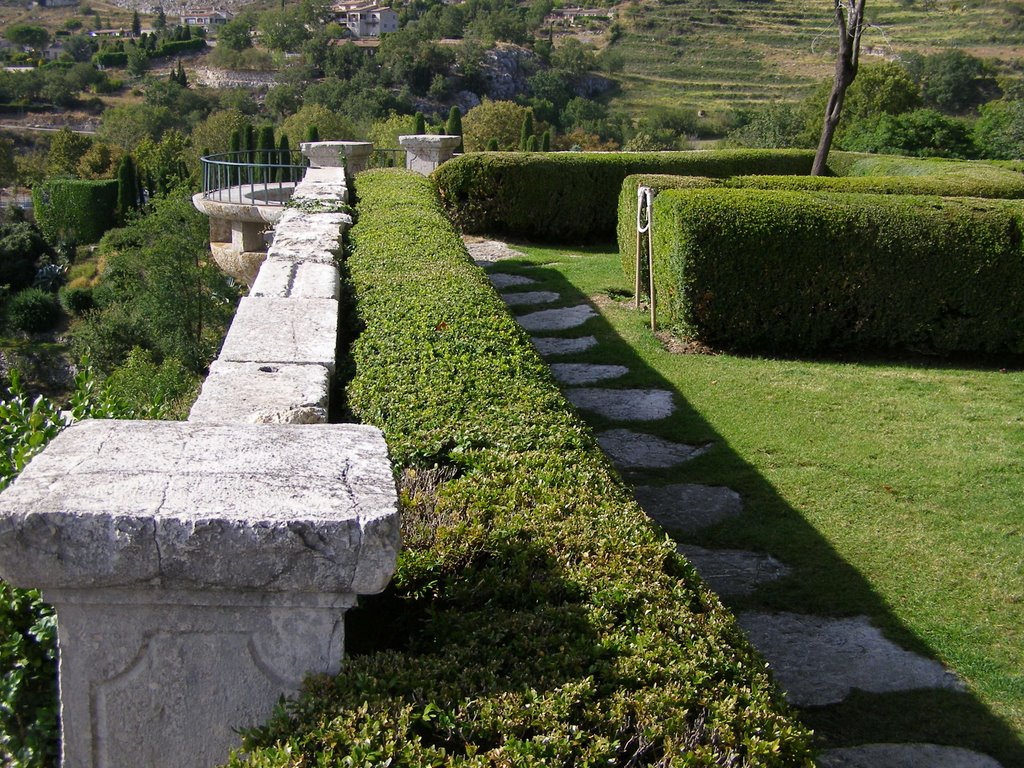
[(818, 661), (485, 252), (504, 280), (529, 297), (624, 404), (556, 319), (904, 756), (688, 506), (586, 373), (733, 571), (635, 450), (554, 346)]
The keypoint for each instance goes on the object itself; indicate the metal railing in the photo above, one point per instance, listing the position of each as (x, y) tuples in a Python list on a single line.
[(387, 158), (252, 177)]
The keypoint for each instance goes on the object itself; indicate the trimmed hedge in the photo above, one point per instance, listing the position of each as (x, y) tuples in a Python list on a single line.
[(536, 617), (570, 197), (110, 58), (79, 210), (792, 272)]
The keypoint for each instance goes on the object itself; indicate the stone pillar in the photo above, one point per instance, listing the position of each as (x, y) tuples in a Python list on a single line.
[(424, 153), (199, 572), (330, 154)]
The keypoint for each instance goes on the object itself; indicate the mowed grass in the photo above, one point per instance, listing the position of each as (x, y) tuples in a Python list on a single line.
[(783, 49), (892, 489)]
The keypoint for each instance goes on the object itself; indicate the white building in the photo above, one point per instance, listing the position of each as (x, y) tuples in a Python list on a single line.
[(207, 18), (366, 19)]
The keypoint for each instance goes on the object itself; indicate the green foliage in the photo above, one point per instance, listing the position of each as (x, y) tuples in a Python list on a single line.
[(454, 125), (77, 299), (999, 131), (526, 130), (66, 149), (159, 290), (77, 210), (537, 617), (419, 124), (329, 125), (29, 35), (22, 249), (922, 132), (32, 310), (498, 120), (803, 273), (151, 391), (571, 197), (954, 81), (127, 187)]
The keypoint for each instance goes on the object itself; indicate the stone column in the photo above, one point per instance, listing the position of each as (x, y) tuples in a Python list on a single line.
[(330, 154), (424, 153), (199, 572)]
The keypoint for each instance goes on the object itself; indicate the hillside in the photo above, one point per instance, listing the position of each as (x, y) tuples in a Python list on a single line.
[(738, 53)]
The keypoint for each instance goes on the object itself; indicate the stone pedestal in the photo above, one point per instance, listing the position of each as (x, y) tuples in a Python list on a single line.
[(424, 153), (199, 572), (354, 155)]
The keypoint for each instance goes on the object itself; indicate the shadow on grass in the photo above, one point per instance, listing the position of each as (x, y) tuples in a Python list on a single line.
[(821, 582)]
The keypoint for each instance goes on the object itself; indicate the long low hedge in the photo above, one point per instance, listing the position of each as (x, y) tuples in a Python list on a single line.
[(803, 272), (536, 617), (571, 197)]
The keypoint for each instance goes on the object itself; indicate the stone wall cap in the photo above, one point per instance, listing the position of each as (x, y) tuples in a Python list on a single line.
[(427, 140), (183, 505)]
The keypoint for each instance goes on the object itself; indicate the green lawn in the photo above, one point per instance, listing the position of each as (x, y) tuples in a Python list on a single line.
[(892, 489)]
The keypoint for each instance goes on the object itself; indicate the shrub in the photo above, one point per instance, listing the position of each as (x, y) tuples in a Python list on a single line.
[(75, 209), (22, 247), (536, 617), (76, 300), (571, 197), (33, 310), (793, 272)]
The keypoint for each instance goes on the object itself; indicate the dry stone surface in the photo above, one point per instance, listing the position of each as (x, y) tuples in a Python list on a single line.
[(818, 661), (485, 252), (557, 319), (904, 756), (529, 297), (635, 450), (504, 280), (586, 373), (550, 347), (688, 507), (624, 404), (732, 571)]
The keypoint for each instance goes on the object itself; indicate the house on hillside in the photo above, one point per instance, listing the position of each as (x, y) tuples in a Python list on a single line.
[(366, 19), (57, 3), (207, 18)]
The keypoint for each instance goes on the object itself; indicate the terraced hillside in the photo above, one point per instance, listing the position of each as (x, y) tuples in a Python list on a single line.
[(714, 56)]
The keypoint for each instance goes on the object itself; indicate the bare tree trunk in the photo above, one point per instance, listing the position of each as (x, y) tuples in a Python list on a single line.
[(850, 21)]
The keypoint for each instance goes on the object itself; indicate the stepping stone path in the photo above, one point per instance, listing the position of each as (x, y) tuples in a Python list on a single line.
[(623, 404), (549, 347), (688, 507), (529, 297), (503, 280), (557, 319), (904, 756), (733, 571), (586, 373), (816, 661)]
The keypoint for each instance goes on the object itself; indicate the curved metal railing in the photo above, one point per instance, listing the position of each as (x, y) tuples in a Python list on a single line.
[(252, 177)]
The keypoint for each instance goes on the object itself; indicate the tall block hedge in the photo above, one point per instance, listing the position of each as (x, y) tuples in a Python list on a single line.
[(536, 617), (571, 197), (784, 271), (75, 209)]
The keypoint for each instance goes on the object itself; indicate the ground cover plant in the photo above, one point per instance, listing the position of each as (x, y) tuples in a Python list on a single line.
[(890, 487), (536, 617)]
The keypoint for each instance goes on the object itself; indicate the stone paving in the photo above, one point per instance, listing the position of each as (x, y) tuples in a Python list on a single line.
[(815, 660)]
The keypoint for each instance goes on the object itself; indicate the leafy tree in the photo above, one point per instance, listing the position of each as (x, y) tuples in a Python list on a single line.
[(922, 132), (774, 126), (956, 82), (283, 100), (214, 133), (330, 125), (8, 165), (999, 131), (574, 57), (66, 149), (28, 35), (138, 59), (849, 16), (163, 163), (498, 120), (283, 30), (384, 133), (22, 249), (79, 48), (99, 161), (236, 35), (127, 125)]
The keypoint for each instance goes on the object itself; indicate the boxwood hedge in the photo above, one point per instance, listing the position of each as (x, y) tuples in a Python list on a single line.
[(536, 617), (784, 271), (570, 196)]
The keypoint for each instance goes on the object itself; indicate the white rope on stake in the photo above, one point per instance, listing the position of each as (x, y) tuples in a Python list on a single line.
[(644, 211)]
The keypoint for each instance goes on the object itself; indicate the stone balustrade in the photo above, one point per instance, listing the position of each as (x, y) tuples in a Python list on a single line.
[(423, 153), (201, 569)]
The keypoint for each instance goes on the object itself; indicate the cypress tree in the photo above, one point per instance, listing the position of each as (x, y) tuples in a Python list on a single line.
[(161, 20), (454, 126), (527, 130), (492, 145), (265, 146), (249, 142), (312, 134), (284, 157), (127, 187), (545, 141), (421, 124), (182, 78), (136, 24), (531, 143)]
